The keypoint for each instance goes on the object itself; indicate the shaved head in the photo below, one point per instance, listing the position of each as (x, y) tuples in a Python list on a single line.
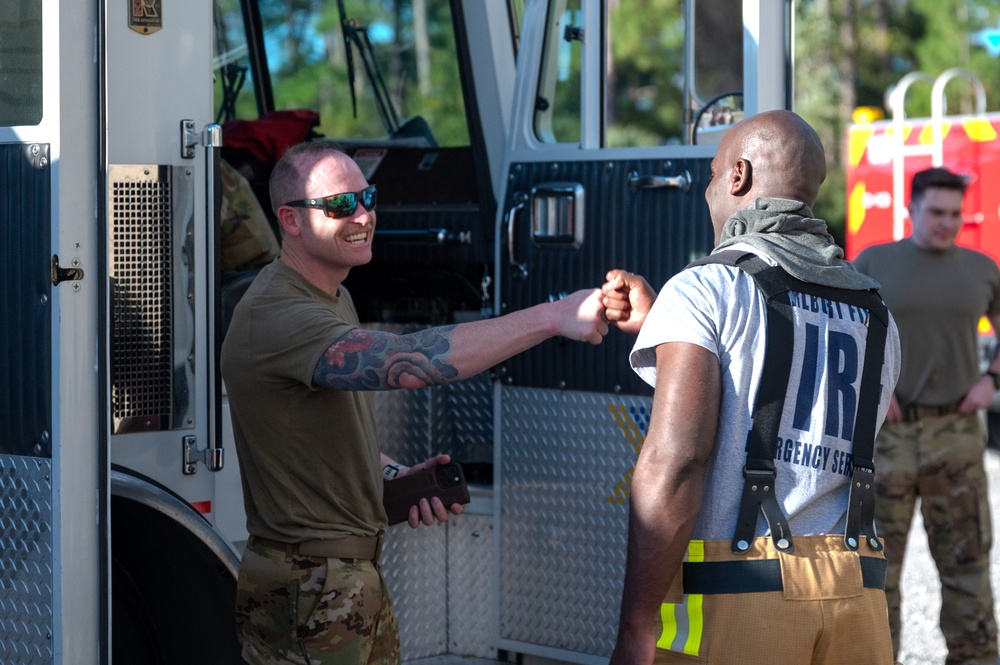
[(772, 154), (786, 154), (292, 175)]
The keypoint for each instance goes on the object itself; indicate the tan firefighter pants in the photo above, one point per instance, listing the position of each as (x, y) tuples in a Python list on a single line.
[(821, 604)]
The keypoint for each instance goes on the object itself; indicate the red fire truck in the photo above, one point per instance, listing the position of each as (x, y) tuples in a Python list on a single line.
[(884, 155)]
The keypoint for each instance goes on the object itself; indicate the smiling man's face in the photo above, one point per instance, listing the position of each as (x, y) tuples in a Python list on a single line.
[(937, 218)]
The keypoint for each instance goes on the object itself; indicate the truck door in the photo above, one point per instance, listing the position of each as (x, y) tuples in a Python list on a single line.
[(106, 312), (172, 570), (53, 520), (616, 106)]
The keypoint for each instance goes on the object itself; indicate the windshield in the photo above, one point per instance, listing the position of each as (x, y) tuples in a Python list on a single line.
[(371, 69)]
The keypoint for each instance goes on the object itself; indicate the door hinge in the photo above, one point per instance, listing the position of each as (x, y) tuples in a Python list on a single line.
[(210, 457)]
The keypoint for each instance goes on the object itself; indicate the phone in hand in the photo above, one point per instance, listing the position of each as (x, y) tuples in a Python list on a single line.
[(445, 481)]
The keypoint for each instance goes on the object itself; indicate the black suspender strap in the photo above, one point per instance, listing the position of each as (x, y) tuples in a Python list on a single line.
[(759, 493), (861, 504), (759, 472)]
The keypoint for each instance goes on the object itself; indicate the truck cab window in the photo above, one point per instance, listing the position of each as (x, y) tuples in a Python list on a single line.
[(557, 107), (644, 75), (233, 77), (664, 65), (371, 70), (20, 63), (717, 70)]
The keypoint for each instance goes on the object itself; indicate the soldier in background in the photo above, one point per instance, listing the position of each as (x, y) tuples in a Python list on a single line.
[(932, 442)]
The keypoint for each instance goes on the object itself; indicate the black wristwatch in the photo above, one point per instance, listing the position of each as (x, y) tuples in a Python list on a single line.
[(995, 376)]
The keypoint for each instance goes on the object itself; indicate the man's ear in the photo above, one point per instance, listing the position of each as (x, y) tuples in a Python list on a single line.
[(288, 219), (742, 177)]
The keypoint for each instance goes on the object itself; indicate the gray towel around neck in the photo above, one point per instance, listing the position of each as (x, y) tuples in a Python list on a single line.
[(786, 231)]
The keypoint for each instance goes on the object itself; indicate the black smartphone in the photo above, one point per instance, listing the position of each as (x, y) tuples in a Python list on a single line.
[(445, 481)]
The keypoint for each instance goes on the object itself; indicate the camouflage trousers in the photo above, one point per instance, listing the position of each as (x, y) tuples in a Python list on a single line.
[(304, 610), (940, 460)]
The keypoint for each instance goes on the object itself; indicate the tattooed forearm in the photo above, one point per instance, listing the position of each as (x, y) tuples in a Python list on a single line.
[(374, 360)]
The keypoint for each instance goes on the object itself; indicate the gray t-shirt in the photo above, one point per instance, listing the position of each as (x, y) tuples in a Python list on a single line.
[(720, 308)]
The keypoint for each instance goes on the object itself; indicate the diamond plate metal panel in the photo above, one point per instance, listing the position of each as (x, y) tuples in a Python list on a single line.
[(462, 425), (456, 419), (415, 567), (566, 460), (26, 560), (441, 585), (403, 416), (436, 578), (471, 593), (404, 424)]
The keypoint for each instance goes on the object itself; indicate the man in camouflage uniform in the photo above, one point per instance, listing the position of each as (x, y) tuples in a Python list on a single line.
[(300, 372), (932, 443)]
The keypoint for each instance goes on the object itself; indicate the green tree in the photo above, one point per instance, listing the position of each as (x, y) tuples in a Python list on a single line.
[(412, 47), (646, 50), (849, 53)]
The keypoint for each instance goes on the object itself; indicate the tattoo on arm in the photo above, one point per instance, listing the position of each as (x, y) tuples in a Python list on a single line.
[(375, 360)]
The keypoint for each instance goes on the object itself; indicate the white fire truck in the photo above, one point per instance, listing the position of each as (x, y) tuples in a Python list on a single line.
[(520, 150)]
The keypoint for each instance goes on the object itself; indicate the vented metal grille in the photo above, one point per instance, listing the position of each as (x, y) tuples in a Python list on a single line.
[(142, 302)]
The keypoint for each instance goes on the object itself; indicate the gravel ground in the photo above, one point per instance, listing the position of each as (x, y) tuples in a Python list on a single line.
[(922, 642)]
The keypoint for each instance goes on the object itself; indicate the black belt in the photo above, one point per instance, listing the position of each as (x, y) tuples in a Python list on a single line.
[(914, 412), (713, 577)]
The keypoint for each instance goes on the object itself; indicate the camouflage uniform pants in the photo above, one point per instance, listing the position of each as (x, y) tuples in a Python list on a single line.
[(940, 460), (303, 610)]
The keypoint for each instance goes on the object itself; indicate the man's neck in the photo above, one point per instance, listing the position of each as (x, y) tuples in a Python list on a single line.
[(318, 275)]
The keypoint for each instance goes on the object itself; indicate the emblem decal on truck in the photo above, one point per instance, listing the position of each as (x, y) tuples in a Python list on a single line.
[(145, 16)]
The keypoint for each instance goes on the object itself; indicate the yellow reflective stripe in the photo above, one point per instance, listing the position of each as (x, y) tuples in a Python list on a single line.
[(669, 625), (696, 622), (683, 623)]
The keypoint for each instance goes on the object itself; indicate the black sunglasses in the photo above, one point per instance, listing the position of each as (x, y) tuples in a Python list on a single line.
[(340, 205)]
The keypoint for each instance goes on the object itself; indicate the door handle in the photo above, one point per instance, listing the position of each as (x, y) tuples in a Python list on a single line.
[(637, 182), (211, 139), (511, 254)]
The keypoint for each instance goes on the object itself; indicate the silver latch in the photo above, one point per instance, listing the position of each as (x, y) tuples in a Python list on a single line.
[(60, 274), (210, 457)]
